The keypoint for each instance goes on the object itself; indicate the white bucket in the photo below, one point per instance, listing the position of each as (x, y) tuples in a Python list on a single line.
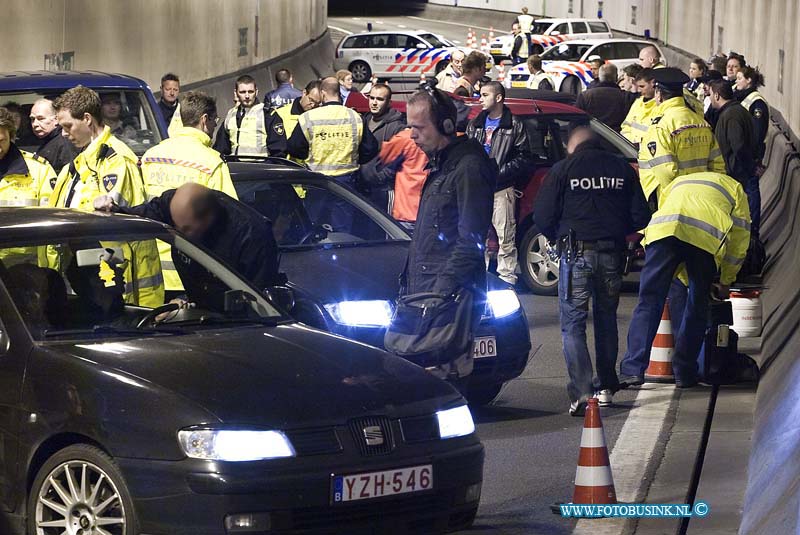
[(746, 313)]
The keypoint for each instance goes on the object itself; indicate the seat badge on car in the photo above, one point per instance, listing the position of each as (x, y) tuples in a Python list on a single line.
[(373, 435)]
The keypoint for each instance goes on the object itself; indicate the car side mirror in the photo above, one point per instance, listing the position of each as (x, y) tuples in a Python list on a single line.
[(282, 296), (422, 46), (555, 32)]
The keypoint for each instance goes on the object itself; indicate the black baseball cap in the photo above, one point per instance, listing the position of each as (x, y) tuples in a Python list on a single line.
[(711, 76), (670, 78)]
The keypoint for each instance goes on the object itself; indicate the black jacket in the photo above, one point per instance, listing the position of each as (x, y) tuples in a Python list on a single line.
[(593, 192), (240, 236), (390, 124), (735, 134), (367, 149), (760, 114), (455, 211), (510, 148), (57, 150), (167, 110), (276, 137), (607, 103)]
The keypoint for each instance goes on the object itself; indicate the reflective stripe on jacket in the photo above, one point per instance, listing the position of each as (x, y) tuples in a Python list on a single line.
[(677, 143), (252, 139), (710, 211), (184, 157), (333, 134), (636, 123)]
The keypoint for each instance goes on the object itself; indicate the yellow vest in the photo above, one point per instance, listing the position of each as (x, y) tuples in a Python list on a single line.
[(638, 119), (535, 80), (176, 122), (707, 210), (28, 182), (752, 98), (186, 156), (677, 143), (333, 133), (108, 167), (251, 138)]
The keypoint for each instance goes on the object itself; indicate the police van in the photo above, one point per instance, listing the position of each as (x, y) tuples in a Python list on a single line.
[(568, 63), (400, 54), (548, 32)]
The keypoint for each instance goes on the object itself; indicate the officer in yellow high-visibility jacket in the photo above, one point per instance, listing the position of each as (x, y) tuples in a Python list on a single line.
[(702, 226), (677, 142), (250, 128), (636, 123), (25, 180), (290, 113), (184, 157), (106, 166)]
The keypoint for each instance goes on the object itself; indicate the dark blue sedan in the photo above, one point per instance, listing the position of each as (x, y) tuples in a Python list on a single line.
[(346, 283)]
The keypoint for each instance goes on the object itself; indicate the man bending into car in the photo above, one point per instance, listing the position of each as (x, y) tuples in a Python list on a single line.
[(236, 233)]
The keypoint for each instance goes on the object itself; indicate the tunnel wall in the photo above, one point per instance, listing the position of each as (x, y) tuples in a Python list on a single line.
[(203, 41)]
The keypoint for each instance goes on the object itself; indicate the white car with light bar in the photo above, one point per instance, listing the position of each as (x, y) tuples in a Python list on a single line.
[(568, 63), (548, 32), (396, 54), (347, 282)]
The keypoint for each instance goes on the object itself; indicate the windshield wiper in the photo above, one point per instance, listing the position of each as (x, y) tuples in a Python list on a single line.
[(211, 320), (110, 330)]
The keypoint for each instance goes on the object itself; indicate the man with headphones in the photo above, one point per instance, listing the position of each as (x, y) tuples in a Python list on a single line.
[(455, 212)]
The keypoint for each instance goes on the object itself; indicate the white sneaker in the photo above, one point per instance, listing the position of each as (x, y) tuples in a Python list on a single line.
[(577, 408), (604, 397)]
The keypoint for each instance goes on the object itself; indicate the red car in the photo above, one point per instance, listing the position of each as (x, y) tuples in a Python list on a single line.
[(546, 123)]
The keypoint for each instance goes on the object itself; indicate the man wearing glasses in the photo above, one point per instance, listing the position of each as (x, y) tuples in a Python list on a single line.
[(185, 157)]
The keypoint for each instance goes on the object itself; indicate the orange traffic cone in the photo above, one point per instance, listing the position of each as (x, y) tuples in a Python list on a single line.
[(470, 36), (501, 75), (422, 79), (593, 480), (660, 368), (491, 33), (484, 44)]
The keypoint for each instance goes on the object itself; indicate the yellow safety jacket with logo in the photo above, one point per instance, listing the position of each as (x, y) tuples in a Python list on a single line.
[(27, 180), (290, 118), (108, 167), (535, 80), (251, 138), (334, 135), (175, 123), (184, 157), (751, 98), (677, 143), (707, 210), (636, 123)]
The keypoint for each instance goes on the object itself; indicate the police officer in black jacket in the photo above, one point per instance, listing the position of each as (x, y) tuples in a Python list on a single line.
[(505, 141), (589, 203)]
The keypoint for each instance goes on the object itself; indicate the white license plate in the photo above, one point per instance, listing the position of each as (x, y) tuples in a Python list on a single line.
[(380, 484), (484, 346)]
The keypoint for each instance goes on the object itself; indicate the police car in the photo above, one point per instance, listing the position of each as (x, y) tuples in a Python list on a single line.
[(548, 32), (401, 54), (567, 63)]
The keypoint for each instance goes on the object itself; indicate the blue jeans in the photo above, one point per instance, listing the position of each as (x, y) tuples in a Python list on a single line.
[(597, 275), (663, 258), (753, 191)]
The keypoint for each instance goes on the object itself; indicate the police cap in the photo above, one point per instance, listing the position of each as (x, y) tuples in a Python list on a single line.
[(711, 76), (670, 78)]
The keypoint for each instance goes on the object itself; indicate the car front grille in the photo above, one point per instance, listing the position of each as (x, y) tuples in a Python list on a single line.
[(373, 434), (315, 441), (419, 429)]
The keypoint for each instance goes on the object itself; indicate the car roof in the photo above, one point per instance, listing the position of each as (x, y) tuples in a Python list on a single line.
[(604, 41), (569, 20), (37, 224), (32, 80), (415, 33)]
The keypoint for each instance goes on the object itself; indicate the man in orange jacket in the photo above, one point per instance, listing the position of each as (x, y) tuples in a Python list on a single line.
[(400, 165)]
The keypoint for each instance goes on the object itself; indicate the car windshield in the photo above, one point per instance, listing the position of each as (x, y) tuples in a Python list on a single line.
[(105, 286), (433, 40), (126, 112), (566, 52), (317, 213)]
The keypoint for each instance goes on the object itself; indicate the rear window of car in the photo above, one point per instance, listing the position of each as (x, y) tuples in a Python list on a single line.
[(126, 112), (579, 27), (598, 27), (379, 40)]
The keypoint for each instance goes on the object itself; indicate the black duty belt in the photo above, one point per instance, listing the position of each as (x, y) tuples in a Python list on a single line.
[(594, 245)]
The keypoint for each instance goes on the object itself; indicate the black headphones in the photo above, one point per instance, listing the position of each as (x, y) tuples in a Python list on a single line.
[(444, 110)]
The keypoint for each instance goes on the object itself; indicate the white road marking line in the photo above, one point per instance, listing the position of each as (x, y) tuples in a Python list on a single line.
[(356, 18), (401, 25), (340, 29), (378, 22), (456, 41), (632, 452), (450, 23)]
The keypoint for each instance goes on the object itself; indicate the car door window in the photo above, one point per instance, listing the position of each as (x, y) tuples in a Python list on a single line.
[(380, 40), (628, 51), (598, 27), (408, 41), (545, 148), (605, 51), (562, 29), (579, 27)]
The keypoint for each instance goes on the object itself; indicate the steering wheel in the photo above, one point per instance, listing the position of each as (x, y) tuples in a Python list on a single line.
[(151, 316), (316, 232)]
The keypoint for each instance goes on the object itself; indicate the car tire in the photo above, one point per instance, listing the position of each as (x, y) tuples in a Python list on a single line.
[(442, 65), (539, 272), (95, 479), (481, 395), (571, 85), (361, 71)]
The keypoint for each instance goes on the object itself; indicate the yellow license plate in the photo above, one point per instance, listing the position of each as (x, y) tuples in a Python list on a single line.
[(518, 84)]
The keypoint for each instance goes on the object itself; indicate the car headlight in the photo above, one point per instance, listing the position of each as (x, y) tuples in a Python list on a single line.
[(361, 313), (503, 302), (234, 445), (455, 422)]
